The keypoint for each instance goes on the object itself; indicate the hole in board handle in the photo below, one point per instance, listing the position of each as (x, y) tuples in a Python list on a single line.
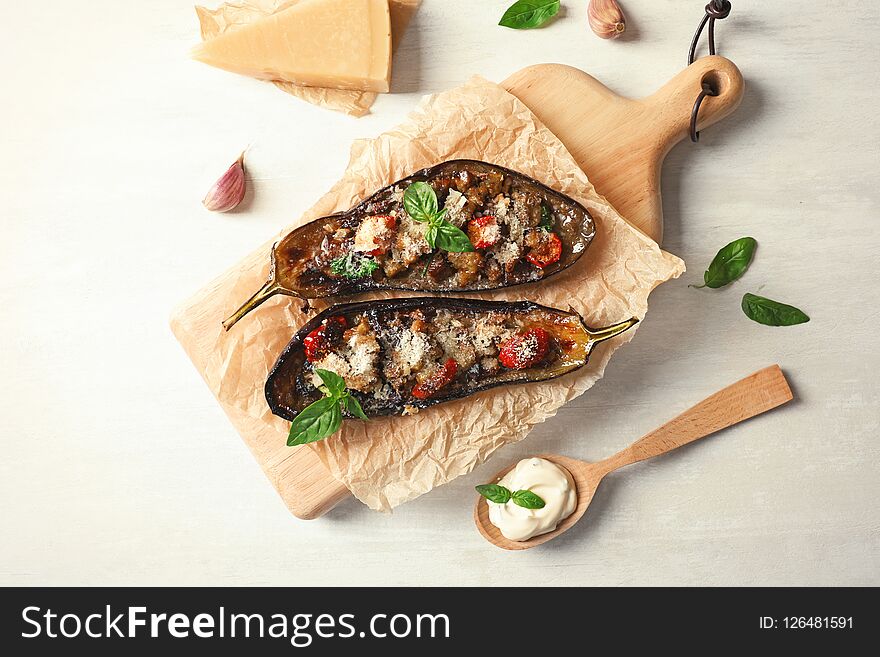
[(717, 82)]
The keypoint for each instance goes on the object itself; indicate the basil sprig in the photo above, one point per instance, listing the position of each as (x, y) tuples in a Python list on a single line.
[(502, 495), (420, 203), (730, 263), (324, 417), (526, 14), (771, 313)]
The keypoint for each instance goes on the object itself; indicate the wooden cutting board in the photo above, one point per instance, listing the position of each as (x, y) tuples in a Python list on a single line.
[(620, 144)]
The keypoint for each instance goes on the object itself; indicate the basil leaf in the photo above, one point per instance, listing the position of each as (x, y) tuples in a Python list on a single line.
[(316, 421), (353, 406), (730, 263), (526, 14), (494, 493), (431, 235), (527, 499), (335, 383), (420, 201), (453, 239), (771, 313)]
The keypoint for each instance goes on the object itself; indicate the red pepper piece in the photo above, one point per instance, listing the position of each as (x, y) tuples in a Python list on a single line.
[(547, 252), (483, 231), (317, 344), (444, 374), (524, 350)]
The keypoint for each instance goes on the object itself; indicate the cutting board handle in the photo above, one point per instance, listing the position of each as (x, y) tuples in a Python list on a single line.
[(620, 142), (673, 103)]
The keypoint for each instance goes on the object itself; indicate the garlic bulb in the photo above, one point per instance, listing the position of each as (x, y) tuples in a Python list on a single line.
[(606, 18), (229, 190)]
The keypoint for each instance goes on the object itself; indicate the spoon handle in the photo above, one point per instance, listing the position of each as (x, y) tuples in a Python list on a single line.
[(753, 395)]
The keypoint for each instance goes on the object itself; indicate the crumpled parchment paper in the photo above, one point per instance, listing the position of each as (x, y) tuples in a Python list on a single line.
[(387, 461), (229, 16)]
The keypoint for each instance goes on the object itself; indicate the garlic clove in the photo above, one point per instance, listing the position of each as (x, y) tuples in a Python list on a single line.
[(606, 18), (229, 190)]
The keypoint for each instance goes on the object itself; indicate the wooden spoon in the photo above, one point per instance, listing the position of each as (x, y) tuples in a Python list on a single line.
[(760, 392)]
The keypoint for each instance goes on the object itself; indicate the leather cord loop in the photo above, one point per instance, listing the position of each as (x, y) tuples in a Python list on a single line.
[(715, 10)]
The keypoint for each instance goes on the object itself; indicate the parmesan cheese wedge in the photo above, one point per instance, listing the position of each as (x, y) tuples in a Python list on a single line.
[(341, 44)]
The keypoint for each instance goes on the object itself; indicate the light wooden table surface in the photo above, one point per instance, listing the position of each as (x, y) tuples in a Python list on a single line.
[(119, 468)]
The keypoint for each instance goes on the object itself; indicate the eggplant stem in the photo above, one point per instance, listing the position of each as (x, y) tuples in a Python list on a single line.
[(270, 288), (600, 335)]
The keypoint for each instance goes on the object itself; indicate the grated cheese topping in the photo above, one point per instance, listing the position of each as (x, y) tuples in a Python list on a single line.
[(412, 350), (491, 233), (372, 234), (507, 252), (388, 368), (410, 242), (516, 221), (454, 206), (526, 349), (355, 362), (501, 207), (486, 337), (489, 364), (384, 393), (456, 344)]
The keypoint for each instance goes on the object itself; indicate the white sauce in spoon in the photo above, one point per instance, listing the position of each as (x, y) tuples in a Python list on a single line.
[(548, 481)]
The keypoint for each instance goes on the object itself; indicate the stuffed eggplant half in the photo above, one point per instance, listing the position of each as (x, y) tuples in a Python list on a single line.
[(460, 226), (401, 355)]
